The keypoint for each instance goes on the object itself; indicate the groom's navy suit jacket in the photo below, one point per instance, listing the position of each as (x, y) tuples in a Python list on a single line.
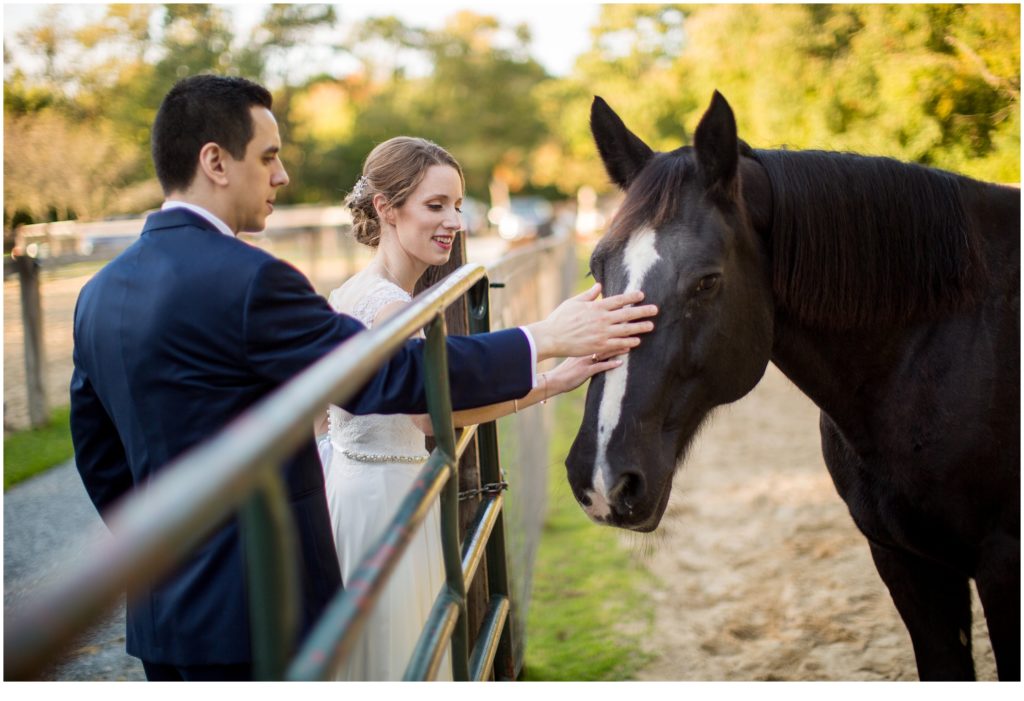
[(175, 337)]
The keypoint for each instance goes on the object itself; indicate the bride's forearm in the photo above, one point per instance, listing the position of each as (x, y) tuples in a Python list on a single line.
[(480, 415)]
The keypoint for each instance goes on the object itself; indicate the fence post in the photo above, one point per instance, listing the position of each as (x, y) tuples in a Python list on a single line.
[(32, 323), (457, 321)]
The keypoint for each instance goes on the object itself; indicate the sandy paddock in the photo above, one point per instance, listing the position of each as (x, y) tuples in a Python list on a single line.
[(763, 575)]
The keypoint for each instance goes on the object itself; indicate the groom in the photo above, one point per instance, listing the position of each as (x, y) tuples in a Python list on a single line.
[(190, 326)]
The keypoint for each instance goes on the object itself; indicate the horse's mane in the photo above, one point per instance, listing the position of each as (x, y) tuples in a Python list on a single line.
[(859, 241)]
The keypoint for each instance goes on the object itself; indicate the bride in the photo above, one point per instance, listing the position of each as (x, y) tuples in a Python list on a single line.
[(406, 205)]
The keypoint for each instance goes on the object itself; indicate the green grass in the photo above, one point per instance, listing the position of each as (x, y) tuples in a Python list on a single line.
[(27, 453), (589, 610)]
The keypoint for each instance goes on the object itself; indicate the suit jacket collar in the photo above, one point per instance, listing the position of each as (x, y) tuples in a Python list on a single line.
[(177, 217)]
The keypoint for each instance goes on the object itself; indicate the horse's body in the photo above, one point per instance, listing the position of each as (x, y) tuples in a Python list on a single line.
[(888, 293)]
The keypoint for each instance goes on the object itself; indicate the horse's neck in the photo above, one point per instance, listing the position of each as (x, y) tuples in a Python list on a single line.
[(795, 352), (851, 375), (839, 369), (836, 370)]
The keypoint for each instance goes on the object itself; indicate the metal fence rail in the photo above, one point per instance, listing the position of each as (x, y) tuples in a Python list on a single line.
[(237, 472)]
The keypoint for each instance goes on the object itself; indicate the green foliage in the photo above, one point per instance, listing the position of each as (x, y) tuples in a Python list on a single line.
[(588, 611), (28, 453), (38, 182), (20, 97), (935, 84), (476, 101), (107, 78)]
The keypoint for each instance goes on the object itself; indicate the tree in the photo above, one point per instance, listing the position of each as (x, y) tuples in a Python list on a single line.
[(38, 182), (479, 101), (630, 64), (468, 86), (100, 85), (935, 84)]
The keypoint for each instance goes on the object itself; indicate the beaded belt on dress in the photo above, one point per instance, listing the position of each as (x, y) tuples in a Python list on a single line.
[(370, 457)]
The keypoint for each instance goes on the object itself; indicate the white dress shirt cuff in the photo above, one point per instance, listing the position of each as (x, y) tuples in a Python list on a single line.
[(533, 356)]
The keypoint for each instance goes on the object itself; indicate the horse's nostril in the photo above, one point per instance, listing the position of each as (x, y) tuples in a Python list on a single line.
[(627, 490)]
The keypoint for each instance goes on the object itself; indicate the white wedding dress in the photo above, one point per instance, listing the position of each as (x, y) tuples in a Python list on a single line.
[(369, 468)]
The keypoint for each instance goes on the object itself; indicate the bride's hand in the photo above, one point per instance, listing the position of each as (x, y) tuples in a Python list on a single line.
[(573, 372)]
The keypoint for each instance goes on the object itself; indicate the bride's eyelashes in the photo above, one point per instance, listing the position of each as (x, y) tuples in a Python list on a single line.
[(434, 207)]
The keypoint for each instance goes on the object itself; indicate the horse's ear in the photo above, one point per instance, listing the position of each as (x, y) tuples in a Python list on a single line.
[(623, 153), (716, 144)]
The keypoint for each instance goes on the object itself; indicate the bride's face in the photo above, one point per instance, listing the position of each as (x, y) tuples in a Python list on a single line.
[(427, 222)]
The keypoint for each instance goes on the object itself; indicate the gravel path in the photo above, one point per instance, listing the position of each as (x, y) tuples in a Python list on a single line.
[(48, 522)]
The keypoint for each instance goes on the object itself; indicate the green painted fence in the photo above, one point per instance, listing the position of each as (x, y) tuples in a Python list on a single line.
[(237, 472)]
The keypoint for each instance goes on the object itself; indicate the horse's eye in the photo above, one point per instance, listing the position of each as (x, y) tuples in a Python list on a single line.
[(708, 283)]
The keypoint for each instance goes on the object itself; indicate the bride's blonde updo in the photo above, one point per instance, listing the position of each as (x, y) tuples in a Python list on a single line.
[(393, 169)]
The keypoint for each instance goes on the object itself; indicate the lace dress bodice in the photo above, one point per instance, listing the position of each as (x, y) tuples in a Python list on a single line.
[(374, 438)]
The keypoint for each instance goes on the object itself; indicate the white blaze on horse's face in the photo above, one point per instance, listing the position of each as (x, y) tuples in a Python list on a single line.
[(639, 257)]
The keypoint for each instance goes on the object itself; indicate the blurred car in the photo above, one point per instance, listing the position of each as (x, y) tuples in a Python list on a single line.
[(525, 217)]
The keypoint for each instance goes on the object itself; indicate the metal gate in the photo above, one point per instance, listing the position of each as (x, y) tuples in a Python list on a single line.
[(236, 472)]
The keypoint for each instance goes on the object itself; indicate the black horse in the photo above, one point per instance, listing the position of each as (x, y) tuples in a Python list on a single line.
[(889, 293)]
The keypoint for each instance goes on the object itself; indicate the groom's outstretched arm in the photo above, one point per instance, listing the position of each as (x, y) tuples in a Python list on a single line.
[(483, 369), (288, 327)]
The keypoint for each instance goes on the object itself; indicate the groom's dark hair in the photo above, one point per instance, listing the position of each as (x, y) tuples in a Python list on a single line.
[(198, 110)]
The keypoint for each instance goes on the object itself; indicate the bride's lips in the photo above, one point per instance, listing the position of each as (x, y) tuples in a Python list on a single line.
[(444, 242)]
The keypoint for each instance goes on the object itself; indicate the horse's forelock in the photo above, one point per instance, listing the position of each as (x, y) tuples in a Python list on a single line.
[(653, 197)]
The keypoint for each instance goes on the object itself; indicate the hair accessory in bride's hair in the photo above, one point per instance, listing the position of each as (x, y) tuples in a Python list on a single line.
[(359, 189)]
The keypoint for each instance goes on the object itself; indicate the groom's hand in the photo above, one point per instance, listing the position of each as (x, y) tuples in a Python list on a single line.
[(586, 325)]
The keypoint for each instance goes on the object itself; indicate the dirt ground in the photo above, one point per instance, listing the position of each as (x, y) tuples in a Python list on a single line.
[(763, 574)]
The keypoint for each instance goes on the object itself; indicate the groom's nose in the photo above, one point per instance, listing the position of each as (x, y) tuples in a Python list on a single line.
[(280, 178)]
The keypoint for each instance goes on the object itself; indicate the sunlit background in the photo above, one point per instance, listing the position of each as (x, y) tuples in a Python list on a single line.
[(505, 86)]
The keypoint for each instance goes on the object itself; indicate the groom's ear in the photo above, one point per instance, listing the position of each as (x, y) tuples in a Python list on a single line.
[(212, 163)]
